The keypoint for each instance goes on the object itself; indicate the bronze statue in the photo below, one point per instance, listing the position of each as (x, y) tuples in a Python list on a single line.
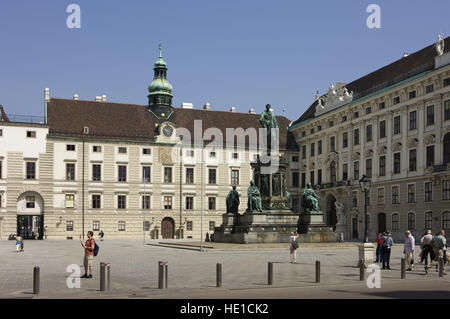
[(233, 201), (310, 199), (268, 120), (254, 198)]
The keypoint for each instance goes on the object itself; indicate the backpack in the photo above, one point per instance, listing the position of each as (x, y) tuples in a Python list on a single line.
[(96, 249), (437, 242)]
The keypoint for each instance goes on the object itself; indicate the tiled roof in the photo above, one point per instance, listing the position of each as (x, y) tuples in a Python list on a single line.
[(395, 72), (107, 120)]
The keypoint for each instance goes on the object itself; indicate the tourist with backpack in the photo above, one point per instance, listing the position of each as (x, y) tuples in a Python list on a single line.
[(386, 245), (439, 244), (379, 248), (425, 243), (293, 246), (89, 251)]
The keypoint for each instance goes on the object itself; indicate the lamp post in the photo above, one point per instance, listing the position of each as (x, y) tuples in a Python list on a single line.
[(364, 183)]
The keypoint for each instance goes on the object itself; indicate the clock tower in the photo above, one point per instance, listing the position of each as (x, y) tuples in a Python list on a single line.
[(160, 97)]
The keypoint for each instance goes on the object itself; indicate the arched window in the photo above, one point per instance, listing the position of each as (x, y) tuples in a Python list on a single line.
[(333, 172), (446, 148), (429, 220), (395, 222), (446, 220), (411, 221)]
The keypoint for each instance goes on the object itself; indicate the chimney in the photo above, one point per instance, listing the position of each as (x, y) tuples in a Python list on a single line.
[(233, 109), (186, 105), (47, 95), (98, 99), (207, 106), (252, 111), (75, 97), (104, 98)]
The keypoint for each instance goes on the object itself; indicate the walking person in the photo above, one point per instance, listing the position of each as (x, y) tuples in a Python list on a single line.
[(439, 244), (379, 248), (293, 245), (408, 250), (386, 250), (425, 243), (88, 246), (19, 243)]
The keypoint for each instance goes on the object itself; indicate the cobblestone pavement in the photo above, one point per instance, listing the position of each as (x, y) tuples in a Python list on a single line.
[(191, 273)]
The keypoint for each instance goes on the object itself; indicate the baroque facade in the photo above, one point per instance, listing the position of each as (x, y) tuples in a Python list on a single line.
[(393, 125)]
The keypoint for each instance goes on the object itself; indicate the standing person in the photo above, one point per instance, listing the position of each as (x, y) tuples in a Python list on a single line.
[(386, 249), (293, 245), (45, 231), (102, 234), (379, 248), (425, 243), (439, 244), (408, 249), (19, 242), (88, 246)]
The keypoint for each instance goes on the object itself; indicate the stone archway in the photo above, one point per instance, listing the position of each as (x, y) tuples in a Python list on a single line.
[(30, 215), (331, 211)]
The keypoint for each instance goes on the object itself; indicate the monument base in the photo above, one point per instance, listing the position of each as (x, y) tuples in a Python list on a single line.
[(365, 254)]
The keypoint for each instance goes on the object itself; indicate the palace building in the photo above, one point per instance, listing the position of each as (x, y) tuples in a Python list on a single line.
[(393, 125), (99, 165)]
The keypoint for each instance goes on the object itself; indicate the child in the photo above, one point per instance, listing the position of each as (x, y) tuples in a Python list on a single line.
[(19, 244)]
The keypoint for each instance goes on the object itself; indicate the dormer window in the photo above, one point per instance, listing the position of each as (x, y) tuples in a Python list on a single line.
[(31, 134)]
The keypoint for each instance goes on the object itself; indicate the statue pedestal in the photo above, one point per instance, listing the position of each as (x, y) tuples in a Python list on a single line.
[(366, 253), (341, 230), (313, 229)]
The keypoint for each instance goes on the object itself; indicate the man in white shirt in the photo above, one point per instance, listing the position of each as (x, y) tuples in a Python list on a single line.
[(409, 249)]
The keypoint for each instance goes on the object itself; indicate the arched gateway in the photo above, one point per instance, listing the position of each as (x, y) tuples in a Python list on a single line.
[(167, 228), (30, 215)]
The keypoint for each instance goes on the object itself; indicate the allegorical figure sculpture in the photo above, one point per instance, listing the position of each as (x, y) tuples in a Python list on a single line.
[(440, 45), (233, 201), (269, 121), (310, 200), (340, 212), (254, 198)]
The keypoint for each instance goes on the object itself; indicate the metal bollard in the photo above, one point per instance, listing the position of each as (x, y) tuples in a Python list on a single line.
[(317, 271), (36, 274), (161, 275), (166, 274), (403, 268), (362, 270), (441, 267), (270, 273), (105, 271), (218, 275)]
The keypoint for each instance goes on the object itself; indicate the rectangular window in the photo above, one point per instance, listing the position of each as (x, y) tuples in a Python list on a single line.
[(428, 220), (411, 193), (31, 134), (167, 202), (295, 179), (368, 110), (428, 191), (344, 172), (30, 201), (70, 147), (303, 180), (356, 136), (189, 203), (312, 131), (311, 177), (1, 167), (345, 140), (395, 222), (189, 225), (430, 115), (332, 144), (211, 203), (411, 221), (380, 196), (69, 225), (382, 106), (330, 123), (212, 224), (70, 201), (234, 177), (303, 151), (319, 176), (212, 154), (121, 202), (412, 160), (369, 133), (31, 170), (344, 118), (412, 95), (356, 170), (189, 175), (167, 174), (1, 132), (96, 149), (146, 225), (96, 172), (445, 190), (70, 172), (212, 176), (396, 100), (447, 110), (312, 149), (382, 129), (413, 120), (396, 163), (355, 199), (446, 82), (382, 165), (430, 155), (397, 125), (121, 225), (146, 202), (190, 153), (146, 174), (395, 195), (355, 115), (429, 88), (295, 159), (235, 155), (369, 168), (319, 128), (319, 147), (147, 151), (122, 150), (96, 201), (122, 173), (95, 225)]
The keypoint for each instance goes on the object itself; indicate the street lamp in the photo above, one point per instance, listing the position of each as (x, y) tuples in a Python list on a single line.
[(364, 183)]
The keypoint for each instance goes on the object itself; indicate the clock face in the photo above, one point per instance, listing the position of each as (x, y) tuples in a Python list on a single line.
[(167, 130)]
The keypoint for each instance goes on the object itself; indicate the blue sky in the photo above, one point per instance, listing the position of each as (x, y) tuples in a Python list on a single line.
[(243, 53)]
